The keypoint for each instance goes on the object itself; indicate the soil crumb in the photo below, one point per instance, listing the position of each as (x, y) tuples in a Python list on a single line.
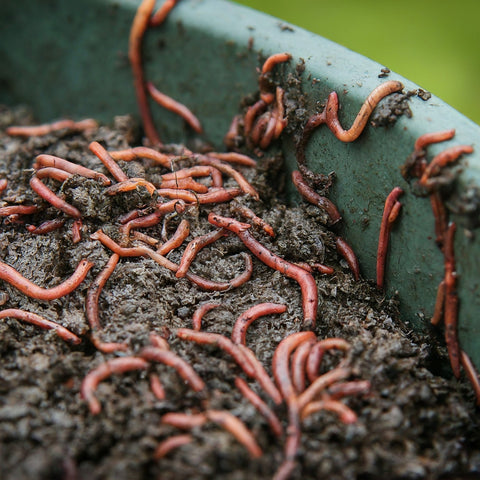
[(416, 422)]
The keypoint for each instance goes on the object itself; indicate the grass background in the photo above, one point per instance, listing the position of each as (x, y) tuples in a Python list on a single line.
[(435, 44)]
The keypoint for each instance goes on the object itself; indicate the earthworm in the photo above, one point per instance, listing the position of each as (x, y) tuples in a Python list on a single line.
[(242, 323), (249, 214), (439, 304), (193, 247), (234, 157), (261, 406), (77, 230), (173, 106), (129, 185), (451, 301), (41, 322), (343, 389), (200, 312), (442, 159), (252, 112), (229, 170), (45, 160), (181, 233), (13, 277), (183, 368), (185, 184), (321, 383), (135, 153), (221, 342), (118, 174), (331, 111), (137, 32), (232, 137), (325, 269), (346, 414), (158, 341), (164, 262), (171, 443), (184, 421), (471, 373), (161, 14), (237, 428), (196, 171), (45, 129), (18, 209), (304, 278), (427, 139), (156, 387), (313, 197), (147, 239), (217, 195), (299, 359), (47, 194), (316, 355), (46, 227), (390, 212), (276, 122), (349, 255), (273, 60), (102, 372), (280, 363), (54, 173), (440, 217), (3, 184), (261, 375), (260, 127)]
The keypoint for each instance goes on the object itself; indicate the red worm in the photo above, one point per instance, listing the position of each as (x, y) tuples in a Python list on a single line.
[(41, 322), (158, 341), (343, 389), (185, 184), (110, 164), (451, 301), (184, 421), (313, 197), (440, 216), (44, 192), (156, 387), (252, 112), (261, 375), (346, 414), (331, 111), (147, 239), (316, 355), (239, 331), (260, 127), (196, 171), (471, 373), (442, 159), (182, 367), (54, 173), (280, 363), (349, 255), (44, 160), (39, 130), (135, 153), (176, 107), (229, 170), (77, 230), (321, 383), (200, 312), (3, 184), (234, 157), (261, 406), (249, 214), (11, 276), (299, 359), (102, 372), (129, 185), (194, 247), (94, 291), (237, 428), (137, 32), (273, 60), (233, 134), (427, 139), (18, 210), (161, 14), (182, 232), (217, 195), (171, 443), (221, 342), (439, 304), (46, 227), (304, 278), (391, 206), (164, 262)]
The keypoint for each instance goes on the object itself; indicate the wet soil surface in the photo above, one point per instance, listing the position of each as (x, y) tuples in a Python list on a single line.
[(415, 423)]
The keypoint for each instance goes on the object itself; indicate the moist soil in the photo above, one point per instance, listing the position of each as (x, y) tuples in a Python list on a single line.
[(416, 422)]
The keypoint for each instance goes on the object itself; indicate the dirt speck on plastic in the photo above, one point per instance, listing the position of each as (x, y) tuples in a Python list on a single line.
[(417, 422)]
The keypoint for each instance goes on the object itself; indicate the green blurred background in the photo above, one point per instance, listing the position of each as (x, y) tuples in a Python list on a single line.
[(432, 43)]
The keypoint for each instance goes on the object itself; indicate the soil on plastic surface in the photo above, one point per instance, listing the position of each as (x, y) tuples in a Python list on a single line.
[(416, 422)]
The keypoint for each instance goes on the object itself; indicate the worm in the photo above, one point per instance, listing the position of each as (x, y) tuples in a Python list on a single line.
[(171, 443), (110, 164), (45, 129), (349, 255), (200, 312)]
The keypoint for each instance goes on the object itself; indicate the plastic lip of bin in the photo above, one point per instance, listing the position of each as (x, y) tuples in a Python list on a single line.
[(69, 59)]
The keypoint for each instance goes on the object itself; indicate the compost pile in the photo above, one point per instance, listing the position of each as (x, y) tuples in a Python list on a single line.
[(413, 422)]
